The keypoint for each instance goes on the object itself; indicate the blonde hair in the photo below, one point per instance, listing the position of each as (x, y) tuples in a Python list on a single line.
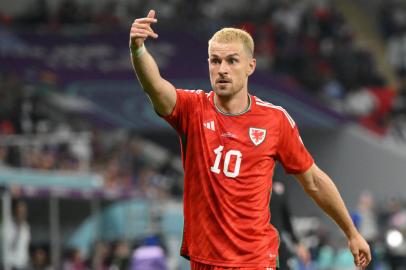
[(228, 35)]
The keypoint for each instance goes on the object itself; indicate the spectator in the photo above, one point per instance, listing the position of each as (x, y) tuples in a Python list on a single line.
[(100, 257), (281, 215), (366, 221), (40, 260), (121, 256), (74, 261), (397, 51), (17, 236), (149, 256)]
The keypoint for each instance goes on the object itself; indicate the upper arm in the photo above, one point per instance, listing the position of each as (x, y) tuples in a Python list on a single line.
[(163, 98), (313, 178), (291, 152), (187, 103)]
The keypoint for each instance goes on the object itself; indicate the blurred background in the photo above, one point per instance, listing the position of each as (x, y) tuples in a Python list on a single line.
[(91, 178)]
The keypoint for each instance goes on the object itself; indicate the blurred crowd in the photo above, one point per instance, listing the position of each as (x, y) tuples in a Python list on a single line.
[(308, 43), (392, 20), (382, 224), (123, 159), (148, 253), (314, 45)]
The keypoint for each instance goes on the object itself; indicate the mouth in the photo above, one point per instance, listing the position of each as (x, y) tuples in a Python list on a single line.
[(223, 81)]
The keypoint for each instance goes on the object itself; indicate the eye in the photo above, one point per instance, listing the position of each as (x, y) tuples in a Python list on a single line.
[(232, 61), (215, 61)]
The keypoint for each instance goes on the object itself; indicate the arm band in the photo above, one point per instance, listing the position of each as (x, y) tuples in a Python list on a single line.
[(138, 52)]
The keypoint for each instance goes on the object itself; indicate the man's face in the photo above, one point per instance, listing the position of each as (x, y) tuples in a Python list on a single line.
[(229, 67), (21, 211)]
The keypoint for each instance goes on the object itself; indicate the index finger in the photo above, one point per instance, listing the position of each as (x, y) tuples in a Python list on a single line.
[(146, 20), (356, 259)]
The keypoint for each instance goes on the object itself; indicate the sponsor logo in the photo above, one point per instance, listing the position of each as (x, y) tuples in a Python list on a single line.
[(257, 135), (229, 135)]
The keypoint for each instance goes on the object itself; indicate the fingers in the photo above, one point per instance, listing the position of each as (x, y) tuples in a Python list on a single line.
[(142, 33), (361, 251), (141, 26), (368, 255), (149, 19), (145, 28), (146, 20), (356, 259), (141, 29), (365, 259), (362, 259)]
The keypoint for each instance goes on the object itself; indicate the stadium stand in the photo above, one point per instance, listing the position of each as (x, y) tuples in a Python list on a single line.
[(78, 138)]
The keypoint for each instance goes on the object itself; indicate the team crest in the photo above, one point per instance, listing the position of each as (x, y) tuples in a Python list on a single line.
[(257, 135)]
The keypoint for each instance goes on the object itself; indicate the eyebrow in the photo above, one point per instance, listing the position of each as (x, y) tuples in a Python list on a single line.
[(230, 55)]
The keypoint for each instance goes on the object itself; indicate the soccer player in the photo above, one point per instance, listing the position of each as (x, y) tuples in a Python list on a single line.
[(230, 142)]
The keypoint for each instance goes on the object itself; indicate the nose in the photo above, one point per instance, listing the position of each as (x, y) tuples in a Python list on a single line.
[(223, 69)]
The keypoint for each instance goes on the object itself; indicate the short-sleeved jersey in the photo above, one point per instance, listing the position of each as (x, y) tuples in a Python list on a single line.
[(228, 162)]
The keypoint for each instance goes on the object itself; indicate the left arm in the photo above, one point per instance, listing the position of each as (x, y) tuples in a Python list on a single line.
[(323, 191)]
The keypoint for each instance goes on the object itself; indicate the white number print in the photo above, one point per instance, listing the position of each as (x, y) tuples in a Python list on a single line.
[(215, 168)]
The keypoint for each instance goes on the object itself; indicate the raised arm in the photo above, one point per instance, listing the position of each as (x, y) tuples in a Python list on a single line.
[(321, 188), (161, 92)]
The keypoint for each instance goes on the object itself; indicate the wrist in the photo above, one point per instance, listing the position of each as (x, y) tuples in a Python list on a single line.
[(353, 233), (137, 52)]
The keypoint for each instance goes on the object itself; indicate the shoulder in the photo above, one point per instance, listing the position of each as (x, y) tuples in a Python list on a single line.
[(273, 110), (195, 94), (198, 93)]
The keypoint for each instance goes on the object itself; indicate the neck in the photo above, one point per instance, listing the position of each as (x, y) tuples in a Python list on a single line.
[(233, 105), (18, 222)]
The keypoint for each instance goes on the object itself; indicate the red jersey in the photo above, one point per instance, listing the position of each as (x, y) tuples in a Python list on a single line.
[(228, 162)]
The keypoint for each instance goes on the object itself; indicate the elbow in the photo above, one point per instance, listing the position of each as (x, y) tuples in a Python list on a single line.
[(313, 183)]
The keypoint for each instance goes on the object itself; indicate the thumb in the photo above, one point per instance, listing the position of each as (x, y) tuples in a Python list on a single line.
[(151, 14), (356, 258)]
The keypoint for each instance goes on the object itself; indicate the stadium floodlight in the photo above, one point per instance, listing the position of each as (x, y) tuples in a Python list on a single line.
[(394, 238)]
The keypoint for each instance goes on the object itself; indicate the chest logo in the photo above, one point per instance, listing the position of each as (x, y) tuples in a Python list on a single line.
[(257, 135), (209, 125)]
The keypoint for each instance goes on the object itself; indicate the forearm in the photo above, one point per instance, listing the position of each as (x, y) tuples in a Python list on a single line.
[(324, 192), (161, 92), (147, 71)]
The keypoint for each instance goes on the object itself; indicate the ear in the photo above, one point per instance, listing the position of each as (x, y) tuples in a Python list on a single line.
[(251, 66)]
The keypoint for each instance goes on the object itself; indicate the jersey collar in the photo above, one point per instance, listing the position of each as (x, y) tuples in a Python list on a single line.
[(234, 114)]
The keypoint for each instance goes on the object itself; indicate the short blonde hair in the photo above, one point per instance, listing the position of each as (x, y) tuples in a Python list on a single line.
[(229, 34)]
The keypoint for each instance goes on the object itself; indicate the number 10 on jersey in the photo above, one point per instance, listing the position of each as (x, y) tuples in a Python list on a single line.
[(219, 154)]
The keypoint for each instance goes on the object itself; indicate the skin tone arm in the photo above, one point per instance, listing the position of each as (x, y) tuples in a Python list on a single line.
[(323, 191), (161, 92)]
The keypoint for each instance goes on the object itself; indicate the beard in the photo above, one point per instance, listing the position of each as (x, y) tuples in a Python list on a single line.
[(226, 91)]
